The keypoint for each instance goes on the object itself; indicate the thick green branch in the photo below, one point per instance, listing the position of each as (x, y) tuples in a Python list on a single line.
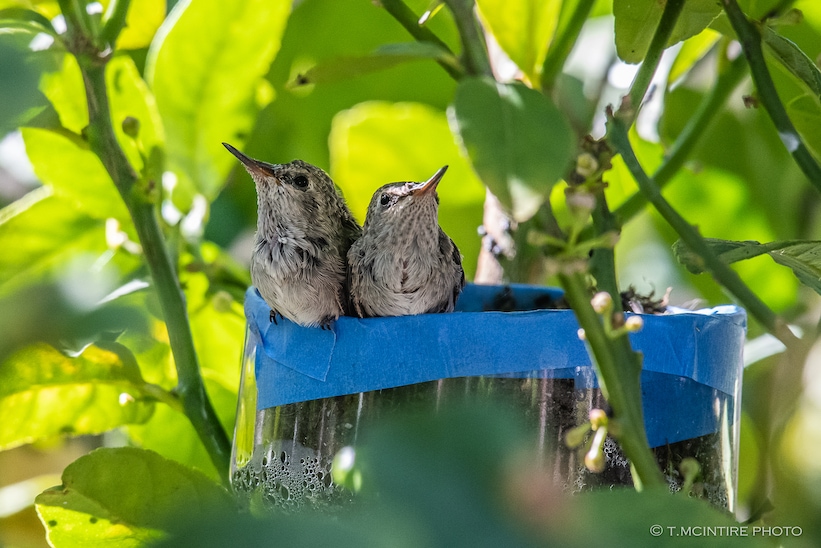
[(750, 40), (696, 126), (648, 67), (619, 370), (410, 22), (563, 43), (617, 132), (104, 143)]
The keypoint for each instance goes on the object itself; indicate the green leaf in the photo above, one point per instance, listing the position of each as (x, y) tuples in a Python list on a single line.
[(129, 97), (18, 77), (692, 50), (31, 245), (124, 497), (636, 23), (376, 143), (523, 29), (385, 57), (518, 141), (75, 173), (204, 68), (805, 113), (64, 88), (794, 59), (802, 256), (43, 393), (141, 23)]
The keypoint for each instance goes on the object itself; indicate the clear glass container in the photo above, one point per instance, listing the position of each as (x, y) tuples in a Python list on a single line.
[(282, 455)]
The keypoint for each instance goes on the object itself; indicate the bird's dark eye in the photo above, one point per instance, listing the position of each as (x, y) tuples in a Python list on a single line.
[(301, 181), (385, 200)]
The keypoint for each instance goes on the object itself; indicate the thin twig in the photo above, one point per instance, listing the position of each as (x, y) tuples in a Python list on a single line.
[(563, 43), (672, 9), (750, 39), (695, 129), (617, 131), (410, 22)]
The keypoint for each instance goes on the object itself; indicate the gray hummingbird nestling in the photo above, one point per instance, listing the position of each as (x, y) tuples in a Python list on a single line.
[(404, 263), (304, 231)]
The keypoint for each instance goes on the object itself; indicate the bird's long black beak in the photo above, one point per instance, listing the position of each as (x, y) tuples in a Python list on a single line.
[(253, 166), (431, 184)]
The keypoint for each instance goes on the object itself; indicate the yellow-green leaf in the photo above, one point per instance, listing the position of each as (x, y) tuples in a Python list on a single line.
[(204, 67), (523, 29), (44, 393), (75, 173), (124, 497)]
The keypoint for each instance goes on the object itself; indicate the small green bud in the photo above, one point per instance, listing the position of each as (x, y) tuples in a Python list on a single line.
[(586, 165), (131, 127), (581, 334), (594, 458)]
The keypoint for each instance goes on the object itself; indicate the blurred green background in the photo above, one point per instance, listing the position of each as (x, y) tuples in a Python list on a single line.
[(67, 241)]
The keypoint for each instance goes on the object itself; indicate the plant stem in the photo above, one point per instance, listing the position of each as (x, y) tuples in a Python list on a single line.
[(410, 22), (648, 67), (603, 260), (474, 49), (750, 40), (726, 82), (114, 21), (618, 368), (617, 132), (563, 43), (104, 143)]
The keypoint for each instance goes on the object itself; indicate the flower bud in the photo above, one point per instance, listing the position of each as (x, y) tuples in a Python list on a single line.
[(633, 324), (602, 302)]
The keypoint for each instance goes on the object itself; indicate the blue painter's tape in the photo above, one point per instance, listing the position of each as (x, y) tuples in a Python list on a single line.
[(692, 360)]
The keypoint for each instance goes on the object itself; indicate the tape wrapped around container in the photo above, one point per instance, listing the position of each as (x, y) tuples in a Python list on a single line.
[(691, 369)]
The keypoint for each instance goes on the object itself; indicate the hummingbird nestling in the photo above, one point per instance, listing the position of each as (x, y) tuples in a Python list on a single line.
[(404, 263), (304, 231)]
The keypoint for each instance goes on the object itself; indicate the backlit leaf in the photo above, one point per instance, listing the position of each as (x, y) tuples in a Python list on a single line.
[(519, 143), (124, 497), (44, 393), (75, 173), (523, 29), (204, 68)]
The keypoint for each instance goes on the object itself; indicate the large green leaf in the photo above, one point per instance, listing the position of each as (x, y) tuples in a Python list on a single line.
[(18, 82), (75, 173), (205, 67), (636, 22), (805, 113), (519, 143), (44, 393), (523, 29), (124, 497), (376, 143), (31, 245)]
